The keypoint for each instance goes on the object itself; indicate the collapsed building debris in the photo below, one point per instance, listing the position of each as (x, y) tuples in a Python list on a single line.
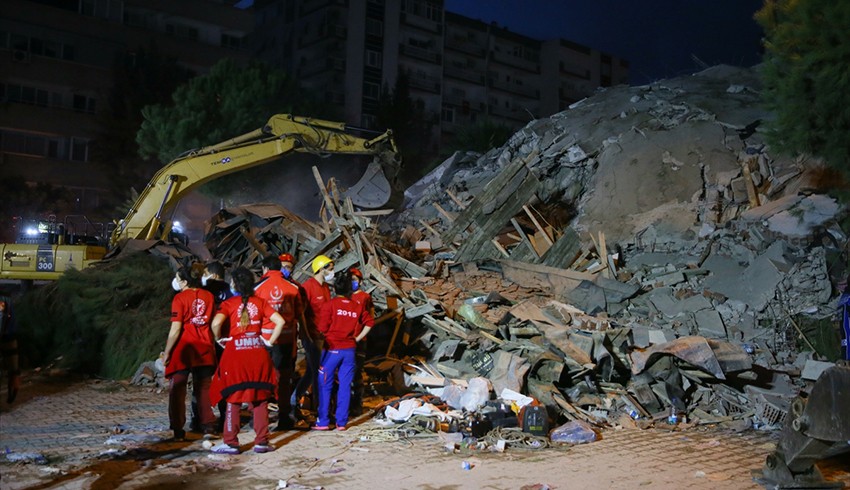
[(640, 258)]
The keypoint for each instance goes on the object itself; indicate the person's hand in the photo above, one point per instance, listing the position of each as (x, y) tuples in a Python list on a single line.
[(265, 341)]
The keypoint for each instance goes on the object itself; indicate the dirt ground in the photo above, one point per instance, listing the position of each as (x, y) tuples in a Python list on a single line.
[(71, 421)]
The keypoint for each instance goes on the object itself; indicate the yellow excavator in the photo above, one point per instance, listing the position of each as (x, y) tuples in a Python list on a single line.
[(46, 253)]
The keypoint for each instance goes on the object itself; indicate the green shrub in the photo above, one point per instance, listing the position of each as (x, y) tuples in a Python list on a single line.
[(103, 320)]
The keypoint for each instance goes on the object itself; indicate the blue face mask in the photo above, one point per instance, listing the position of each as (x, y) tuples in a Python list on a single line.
[(233, 291), (355, 285), (286, 273)]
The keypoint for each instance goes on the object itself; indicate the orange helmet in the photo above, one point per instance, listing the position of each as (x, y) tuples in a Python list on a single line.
[(356, 273), (287, 258)]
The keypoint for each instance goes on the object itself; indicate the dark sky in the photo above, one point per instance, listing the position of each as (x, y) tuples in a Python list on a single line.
[(658, 37)]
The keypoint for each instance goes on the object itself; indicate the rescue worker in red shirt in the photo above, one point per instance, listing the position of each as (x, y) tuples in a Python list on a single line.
[(213, 281), (285, 298), (190, 350), (364, 299), (317, 292), (343, 322), (246, 373)]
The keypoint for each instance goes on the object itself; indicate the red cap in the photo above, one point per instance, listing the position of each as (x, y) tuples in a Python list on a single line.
[(356, 272), (287, 258)]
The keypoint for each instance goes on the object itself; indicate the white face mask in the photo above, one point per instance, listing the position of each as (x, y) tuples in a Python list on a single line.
[(329, 277), (175, 284), (204, 279)]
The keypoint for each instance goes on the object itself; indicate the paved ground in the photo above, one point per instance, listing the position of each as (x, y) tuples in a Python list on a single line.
[(71, 428)]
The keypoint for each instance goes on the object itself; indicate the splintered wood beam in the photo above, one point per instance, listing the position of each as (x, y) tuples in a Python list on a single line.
[(445, 213), (603, 254), (537, 225), (259, 247), (524, 237), (454, 198)]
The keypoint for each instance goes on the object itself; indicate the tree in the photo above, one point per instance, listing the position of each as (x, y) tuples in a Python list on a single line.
[(411, 126), (228, 101), (806, 76)]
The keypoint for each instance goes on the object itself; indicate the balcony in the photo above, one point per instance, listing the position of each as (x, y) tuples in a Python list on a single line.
[(326, 32), (467, 47), (308, 6), (321, 65), (514, 89), (464, 74), (426, 83), (514, 113), (420, 53), (454, 99), (515, 61), (421, 23)]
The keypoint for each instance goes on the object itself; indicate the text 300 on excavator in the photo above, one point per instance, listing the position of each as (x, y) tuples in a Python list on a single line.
[(54, 251)]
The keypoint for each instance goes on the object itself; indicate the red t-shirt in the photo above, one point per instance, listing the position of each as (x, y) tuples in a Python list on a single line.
[(259, 310), (317, 295), (341, 320), (285, 298), (194, 309), (364, 299)]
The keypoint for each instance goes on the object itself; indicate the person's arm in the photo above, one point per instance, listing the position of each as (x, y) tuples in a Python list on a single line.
[(217, 322), (173, 336), (278, 327), (323, 319), (367, 321)]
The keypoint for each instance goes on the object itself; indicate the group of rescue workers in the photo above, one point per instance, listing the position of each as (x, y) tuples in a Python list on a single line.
[(239, 342)]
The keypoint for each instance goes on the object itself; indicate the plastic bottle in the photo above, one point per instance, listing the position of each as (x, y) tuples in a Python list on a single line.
[(673, 419), (634, 414)]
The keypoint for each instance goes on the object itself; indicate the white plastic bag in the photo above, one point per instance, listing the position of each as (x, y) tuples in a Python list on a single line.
[(476, 394), (452, 395)]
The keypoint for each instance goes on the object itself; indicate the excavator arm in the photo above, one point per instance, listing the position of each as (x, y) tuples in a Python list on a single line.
[(282, 134)]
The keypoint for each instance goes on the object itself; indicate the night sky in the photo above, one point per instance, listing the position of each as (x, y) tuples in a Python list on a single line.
[(658, 37)]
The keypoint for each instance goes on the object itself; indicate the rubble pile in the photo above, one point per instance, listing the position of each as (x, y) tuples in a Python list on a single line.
[(639, 258)]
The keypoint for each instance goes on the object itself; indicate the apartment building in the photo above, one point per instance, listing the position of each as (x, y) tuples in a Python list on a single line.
[(461, 70), (56, 75)]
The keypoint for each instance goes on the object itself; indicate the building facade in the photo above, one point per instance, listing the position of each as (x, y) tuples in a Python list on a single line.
[(461, 70), (56, 76)]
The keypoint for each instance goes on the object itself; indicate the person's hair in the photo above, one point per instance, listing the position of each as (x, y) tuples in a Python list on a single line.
[(215, 268), (342, 284), (271, 262), (243, 282), (190, 275)]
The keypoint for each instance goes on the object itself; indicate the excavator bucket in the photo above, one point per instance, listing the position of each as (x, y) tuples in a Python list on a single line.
[(372, 190)]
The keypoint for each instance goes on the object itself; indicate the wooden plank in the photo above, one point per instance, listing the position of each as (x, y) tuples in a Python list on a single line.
[(603, 254), (407, 266), (563, 252), (450, 217), (454, 198), (383, 280), (490, 191), (537, 225), (374, 212), (524, 237), (259, 247), (541, 276), (396, 327), (478, 244)]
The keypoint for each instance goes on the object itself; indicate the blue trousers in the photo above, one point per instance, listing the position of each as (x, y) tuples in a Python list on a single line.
[(334, 363)]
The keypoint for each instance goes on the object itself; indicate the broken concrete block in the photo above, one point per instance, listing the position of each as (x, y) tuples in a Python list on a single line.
[(813, 369), (710, 324), (588, 297), (422, 246), (665, 280)]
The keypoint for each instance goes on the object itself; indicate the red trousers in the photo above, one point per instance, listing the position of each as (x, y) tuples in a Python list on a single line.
[(261, 423), (201, 378)]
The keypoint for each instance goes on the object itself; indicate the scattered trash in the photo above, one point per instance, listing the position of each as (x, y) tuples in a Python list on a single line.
[(28, 457), (574, 432)]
